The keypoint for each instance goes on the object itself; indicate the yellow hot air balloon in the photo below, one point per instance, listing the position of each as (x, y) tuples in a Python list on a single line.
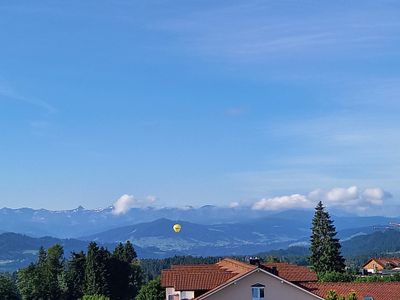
[(177, 228)]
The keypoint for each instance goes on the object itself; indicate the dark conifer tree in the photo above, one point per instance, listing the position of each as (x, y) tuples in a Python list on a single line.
[(8, 289), (325, 247), (41, 280), (75, 276), (125, 277), (53, 270), (129, 252), (97, 272)]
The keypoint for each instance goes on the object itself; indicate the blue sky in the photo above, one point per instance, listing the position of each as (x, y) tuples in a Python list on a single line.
[(197, 102)]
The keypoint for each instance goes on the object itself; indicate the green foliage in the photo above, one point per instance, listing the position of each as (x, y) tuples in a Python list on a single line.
[(74, 276), (352, 296), (95, 297), (332, 295), (29, 283), (272, 259), (53, 269), (8, 289), (126, 275), (97, 271), (325, 247), (379, 243), (41, 280), (335, 277), (379, 278), (152, 291), (97, 275)]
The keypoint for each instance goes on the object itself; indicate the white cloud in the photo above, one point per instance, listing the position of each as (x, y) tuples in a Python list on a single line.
[(126, 202), (234, 204), (151, 199), (284, 202), (335, 196), (375, 196), (350, 199)]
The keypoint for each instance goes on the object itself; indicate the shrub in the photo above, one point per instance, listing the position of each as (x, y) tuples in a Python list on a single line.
[(95, 297)]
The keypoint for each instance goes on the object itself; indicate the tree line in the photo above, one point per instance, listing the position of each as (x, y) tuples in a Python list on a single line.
[(97, 274)]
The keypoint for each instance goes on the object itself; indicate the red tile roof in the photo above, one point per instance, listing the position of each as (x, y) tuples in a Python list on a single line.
[(377, 290), (292, 273), (392, 261), (200, 281), (168, 277), (206, 277), (203, 277), (235, 266)]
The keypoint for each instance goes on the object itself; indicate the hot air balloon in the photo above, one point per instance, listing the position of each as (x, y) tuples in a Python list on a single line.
[(177, 228)]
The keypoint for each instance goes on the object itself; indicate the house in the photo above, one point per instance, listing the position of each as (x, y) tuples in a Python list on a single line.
[(232, 279), (235, 280), (377, 265), (363, 290)]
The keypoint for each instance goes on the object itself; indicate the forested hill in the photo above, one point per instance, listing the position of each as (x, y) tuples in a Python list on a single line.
[(359, 248), (378, 243), (18, 250)]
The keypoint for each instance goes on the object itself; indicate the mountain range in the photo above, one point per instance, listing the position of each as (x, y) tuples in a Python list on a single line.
[(80, 221), (206, 231), (85, 222)]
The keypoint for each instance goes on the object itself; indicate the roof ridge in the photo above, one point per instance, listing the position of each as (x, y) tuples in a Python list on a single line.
[(235, 262)]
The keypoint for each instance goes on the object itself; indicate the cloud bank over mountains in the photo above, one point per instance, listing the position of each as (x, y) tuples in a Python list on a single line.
[(352, 199), (126, 202), (349, 199)]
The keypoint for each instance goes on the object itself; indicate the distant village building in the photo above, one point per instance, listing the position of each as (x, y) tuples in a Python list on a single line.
[(378, 265), (234, 280)]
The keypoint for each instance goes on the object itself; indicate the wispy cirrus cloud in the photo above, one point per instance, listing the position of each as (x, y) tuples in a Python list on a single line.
[(8, 92), (269, 31)]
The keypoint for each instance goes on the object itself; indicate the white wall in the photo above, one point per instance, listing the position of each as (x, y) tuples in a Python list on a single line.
[(187, 295), (275, 289), (182, 294)]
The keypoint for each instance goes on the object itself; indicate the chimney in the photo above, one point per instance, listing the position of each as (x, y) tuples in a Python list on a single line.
[(274, 270), (255, 261)]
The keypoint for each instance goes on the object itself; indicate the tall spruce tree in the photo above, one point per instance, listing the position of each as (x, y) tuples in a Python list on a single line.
[(8, 289), (325, 247), (97, 271), (74, 276), (41, 280), (126, 274), (54, 269)]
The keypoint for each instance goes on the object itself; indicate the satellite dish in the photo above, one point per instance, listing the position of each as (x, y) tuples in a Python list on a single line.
[(177, 228)]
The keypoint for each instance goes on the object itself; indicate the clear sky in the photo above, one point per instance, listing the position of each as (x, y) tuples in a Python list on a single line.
[(198, 102)]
